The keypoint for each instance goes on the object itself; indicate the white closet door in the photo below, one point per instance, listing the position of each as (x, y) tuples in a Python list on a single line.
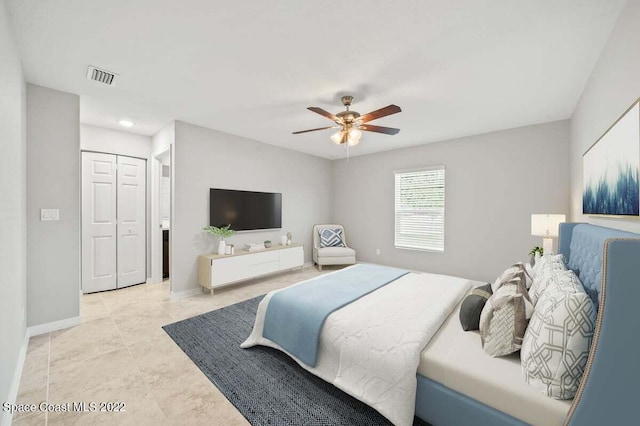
[(98, 222), (132, 240)]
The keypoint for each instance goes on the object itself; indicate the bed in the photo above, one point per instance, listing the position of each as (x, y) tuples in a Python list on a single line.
[(456, 383)]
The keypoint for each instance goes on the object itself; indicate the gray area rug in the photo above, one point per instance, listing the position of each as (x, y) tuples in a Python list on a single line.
[(265, 385)]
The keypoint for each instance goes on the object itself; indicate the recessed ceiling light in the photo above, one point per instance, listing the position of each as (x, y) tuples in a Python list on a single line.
[(125, 123)]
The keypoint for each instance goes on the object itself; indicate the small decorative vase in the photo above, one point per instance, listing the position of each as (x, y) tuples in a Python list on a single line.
[(267, 244), (221, 246), (283, 240)]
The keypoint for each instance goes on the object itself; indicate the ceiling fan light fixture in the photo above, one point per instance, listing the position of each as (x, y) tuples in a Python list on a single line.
[(352, 123), (355, 134), (337, 137)]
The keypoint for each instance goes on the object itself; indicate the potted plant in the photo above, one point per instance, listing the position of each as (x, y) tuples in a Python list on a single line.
[(222, 233), (534, 253), (267, 243)]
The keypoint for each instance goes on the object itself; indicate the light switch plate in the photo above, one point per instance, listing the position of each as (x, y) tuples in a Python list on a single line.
[(49, 214)]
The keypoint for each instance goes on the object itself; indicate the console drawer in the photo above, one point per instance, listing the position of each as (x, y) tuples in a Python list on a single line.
[(218, 270), (291, 257), (261, 257)]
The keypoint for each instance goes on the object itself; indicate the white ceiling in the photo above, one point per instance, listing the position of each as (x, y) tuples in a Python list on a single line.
[(252, 67)]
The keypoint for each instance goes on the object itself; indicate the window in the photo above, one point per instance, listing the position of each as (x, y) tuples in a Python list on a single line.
[(419, 206)]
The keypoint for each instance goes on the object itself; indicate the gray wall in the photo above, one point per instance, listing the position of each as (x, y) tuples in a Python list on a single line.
[(206, 159), (13, 178), (53, 181), (494, 182), (613, 86)]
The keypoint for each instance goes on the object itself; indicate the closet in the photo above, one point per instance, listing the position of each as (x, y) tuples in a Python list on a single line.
[(114, 241)]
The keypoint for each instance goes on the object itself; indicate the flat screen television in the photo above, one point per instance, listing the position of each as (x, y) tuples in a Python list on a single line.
[(245, 210)]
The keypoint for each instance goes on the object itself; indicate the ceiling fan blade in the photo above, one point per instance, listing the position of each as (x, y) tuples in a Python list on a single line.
[(313, 130), (379, 113), (379, 129), (324, 113)]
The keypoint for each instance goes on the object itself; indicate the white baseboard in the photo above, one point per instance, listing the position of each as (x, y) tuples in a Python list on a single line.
[(307, 264), (177, 295), (22, 355), (15, 383), (36, 330)]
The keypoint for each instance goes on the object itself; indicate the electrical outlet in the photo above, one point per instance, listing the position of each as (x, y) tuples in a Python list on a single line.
[(378, 252)]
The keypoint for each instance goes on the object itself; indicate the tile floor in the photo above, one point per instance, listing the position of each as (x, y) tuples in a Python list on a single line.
[(120, 353)]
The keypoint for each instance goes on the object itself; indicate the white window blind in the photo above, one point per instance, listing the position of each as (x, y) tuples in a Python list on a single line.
[(419, 207)]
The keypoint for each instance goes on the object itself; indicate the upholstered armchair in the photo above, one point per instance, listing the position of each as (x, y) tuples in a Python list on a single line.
[(330, 247)]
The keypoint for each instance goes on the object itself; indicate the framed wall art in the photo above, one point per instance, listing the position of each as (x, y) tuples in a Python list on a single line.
[(611, 168)]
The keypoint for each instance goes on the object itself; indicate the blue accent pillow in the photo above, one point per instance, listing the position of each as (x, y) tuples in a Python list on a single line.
[(331, 238)]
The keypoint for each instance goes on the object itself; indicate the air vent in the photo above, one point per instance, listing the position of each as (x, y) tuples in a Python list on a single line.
[(101, 76)]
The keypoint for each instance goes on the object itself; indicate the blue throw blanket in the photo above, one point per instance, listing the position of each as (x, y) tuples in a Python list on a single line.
[(295, 315)]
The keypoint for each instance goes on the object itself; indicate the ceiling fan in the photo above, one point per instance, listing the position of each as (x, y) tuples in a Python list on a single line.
[(351, 123)]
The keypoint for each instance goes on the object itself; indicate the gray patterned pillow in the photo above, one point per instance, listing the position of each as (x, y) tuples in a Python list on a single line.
[(554, 277), (331, 237), (566, 281), (557, 342), (504, 319), (546, 262)]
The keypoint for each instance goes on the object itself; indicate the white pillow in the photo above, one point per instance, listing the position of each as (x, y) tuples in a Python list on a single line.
[(504, 319), (545, 276), (547, 261), (517, 270), (566, 281), (557, 342), (529, 269)]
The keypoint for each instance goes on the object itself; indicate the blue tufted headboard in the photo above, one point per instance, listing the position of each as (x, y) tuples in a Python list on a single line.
[(608, 264), (582, 246)]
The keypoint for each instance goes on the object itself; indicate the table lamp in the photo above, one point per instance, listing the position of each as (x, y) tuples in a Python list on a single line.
[(546, 226)]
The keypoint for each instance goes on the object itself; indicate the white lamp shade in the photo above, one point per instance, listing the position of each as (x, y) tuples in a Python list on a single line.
[(337, 137), (546, 225), (355, 134)]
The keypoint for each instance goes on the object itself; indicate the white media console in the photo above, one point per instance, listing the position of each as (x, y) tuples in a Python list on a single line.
[(217, 270)]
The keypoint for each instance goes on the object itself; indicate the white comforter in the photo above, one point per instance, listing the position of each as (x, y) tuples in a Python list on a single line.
[(371, 348)]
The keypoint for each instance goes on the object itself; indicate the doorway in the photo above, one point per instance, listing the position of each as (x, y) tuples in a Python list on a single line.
[(161, 229), (114, 241), (165, 209)]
